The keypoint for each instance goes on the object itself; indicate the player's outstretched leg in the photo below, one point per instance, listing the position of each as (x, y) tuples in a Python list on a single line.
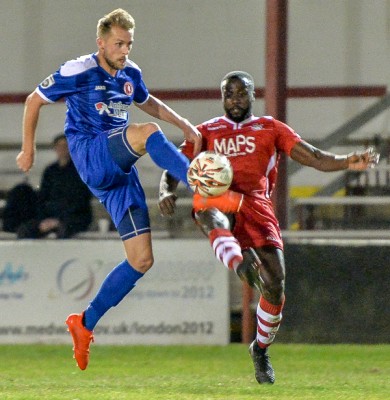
[(163, 152), (82, 339), (165, 155), (264, 372)]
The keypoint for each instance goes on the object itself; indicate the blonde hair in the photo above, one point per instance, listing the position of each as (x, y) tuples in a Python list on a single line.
[(118, 17)]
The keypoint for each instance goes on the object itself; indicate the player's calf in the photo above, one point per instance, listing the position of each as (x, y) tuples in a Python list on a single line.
[(269, 317), (226, 247)]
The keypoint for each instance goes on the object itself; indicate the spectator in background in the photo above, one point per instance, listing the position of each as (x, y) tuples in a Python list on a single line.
[(21, 206), (64, 201)]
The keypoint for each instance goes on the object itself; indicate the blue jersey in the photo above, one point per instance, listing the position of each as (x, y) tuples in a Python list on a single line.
[(97, 104), (96, 101)]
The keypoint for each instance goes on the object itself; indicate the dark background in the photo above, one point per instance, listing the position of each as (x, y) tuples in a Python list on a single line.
[(336, 294)]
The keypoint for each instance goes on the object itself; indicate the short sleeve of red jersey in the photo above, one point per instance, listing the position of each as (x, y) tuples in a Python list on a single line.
[(187, 148), (286, 137)]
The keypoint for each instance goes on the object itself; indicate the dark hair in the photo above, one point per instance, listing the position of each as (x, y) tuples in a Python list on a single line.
[(242, 76), (58, 137)]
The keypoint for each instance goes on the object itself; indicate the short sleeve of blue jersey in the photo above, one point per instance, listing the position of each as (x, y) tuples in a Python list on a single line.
[(66, 80), (55, 86), (141, 93)]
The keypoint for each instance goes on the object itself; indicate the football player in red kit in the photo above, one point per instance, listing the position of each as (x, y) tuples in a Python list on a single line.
[(246, 235)]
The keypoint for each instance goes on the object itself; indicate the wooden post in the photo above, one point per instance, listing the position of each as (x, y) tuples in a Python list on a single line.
[(276, 91), (275, 105)]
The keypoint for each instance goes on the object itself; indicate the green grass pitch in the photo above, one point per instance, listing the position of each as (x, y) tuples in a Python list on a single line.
[(308, 372)]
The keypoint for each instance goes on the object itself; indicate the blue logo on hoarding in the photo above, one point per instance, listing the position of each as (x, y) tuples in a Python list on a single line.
[(10, 274)]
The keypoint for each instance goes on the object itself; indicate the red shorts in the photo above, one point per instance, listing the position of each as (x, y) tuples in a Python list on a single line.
[(256, 224)]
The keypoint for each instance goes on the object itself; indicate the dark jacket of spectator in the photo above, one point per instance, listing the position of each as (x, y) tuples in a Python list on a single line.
[(62, 204)]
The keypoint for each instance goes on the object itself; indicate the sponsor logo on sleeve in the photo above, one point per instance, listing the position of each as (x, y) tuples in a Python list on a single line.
[(49, 81)]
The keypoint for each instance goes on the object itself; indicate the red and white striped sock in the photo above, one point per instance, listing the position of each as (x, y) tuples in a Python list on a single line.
[(269, 317), (226, 247)]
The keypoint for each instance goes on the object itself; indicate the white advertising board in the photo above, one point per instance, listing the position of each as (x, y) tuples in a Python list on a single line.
[(183, 299)]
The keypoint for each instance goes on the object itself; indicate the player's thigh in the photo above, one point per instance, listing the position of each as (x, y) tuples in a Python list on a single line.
[(272, 259), (134, 230), (137, 135), (139, 252)]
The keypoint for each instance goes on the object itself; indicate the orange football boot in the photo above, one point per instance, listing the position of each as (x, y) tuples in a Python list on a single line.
[(229, 202), (81, 337)]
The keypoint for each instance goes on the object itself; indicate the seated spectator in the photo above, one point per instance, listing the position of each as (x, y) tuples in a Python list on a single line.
[(21, 206), (64, 201)]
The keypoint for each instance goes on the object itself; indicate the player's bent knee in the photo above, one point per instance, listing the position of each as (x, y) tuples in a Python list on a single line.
[(275, 289), (149, 128), (138, 134), (142, 264), (211, 219)]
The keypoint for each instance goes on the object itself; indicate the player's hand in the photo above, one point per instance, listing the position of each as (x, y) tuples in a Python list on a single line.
[(167, 203), (25, 161), (192, 135), (362, 160)]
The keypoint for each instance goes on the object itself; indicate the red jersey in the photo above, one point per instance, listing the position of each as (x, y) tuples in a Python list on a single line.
[(252, 147)]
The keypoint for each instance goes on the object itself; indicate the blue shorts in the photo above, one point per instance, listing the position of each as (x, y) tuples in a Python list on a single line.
[(105, 163), (135, 222)]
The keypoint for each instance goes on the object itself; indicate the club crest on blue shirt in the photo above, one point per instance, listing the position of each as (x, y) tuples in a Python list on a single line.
[(128, 88)]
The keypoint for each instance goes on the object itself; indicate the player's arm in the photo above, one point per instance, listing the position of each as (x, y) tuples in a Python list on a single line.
[(157, 109), (308, 155), (32, 107)]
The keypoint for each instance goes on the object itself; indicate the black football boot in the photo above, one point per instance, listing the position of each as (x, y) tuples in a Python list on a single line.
[(264, 372)]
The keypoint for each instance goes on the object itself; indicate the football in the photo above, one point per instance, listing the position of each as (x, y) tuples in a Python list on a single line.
[(210, 174)]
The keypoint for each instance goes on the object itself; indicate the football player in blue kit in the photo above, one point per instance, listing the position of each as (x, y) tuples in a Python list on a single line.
[(99, 89)]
